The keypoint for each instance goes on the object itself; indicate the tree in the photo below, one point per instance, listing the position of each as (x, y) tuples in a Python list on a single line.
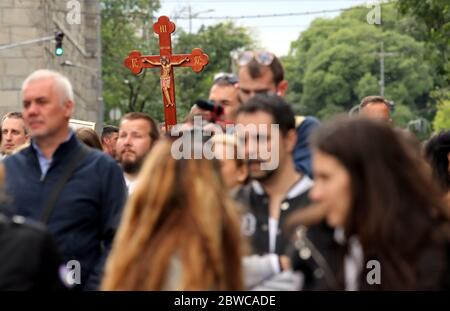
[(123, 24), (442, 118), (218, 41), (402, 115), (334, 64), (125, 27), (435, 15)]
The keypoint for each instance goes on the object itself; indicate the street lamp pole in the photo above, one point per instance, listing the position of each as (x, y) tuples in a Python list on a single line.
[(382, 54), (194, 15)]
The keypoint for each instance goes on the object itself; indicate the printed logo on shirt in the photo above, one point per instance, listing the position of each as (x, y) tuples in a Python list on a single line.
[(248, 224)]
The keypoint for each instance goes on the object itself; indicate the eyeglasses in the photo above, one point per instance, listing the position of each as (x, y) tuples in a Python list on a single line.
[(230, 78), (262, 57)]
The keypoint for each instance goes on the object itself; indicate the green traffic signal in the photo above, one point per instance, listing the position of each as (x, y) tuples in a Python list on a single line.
[(59, 51), (58, 48)]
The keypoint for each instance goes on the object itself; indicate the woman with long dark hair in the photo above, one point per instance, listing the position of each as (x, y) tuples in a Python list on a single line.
[(378, 192), (180, 230)]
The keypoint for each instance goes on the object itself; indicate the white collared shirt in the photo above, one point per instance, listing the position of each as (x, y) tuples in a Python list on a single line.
[(303, 185), (131, 184), (353, 260)]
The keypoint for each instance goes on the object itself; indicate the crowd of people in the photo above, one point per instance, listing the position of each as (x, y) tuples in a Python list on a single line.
[(253, 197)]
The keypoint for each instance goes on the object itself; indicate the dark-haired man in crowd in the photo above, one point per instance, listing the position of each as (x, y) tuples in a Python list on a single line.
[(109, 137), (224, 92), (262, 72), (376, 107), (267, 125)]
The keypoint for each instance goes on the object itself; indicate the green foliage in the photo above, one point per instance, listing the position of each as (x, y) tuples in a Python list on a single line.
[(442, 118), (330, 111), (217, 41), (334, 64), (435, 14), (368, 84), (402, 115), (121, 21), (126, 26)]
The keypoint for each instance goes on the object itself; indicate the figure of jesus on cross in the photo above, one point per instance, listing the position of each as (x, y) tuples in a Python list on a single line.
[(166, 61), (165, 78)]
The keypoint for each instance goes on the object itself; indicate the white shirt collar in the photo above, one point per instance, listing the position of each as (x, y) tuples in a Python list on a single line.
[(131, 184), (303, 185)]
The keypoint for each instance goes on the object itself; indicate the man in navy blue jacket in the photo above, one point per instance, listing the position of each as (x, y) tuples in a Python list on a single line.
[(88, 208)]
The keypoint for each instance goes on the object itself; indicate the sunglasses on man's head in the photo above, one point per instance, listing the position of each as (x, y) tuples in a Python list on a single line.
[(227, 77), (262, 57)]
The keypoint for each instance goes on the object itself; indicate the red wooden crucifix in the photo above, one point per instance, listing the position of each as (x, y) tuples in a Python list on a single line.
[(197, 60)]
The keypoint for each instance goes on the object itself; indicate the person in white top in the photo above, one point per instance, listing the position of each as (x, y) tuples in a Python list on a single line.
[(137, 134), (266, 124)]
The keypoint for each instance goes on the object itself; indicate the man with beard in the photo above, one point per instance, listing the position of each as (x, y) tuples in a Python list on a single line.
[(267, 125), (261, 72), (137, 134)]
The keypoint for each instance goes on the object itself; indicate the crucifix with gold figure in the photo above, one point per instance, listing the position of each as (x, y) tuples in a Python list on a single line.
[(136, 62)]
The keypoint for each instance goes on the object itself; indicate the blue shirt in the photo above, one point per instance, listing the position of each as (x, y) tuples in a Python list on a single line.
[(302, 152), (45, 163)]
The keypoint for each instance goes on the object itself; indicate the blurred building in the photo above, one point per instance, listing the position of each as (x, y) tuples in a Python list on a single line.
[(79, 20)]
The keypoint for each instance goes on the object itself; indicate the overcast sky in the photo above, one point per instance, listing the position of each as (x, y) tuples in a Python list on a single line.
[(273, 33)]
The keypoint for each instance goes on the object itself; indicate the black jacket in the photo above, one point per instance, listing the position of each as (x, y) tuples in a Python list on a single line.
[(256, 219), (28, 257), (88, 208), (255, 227)]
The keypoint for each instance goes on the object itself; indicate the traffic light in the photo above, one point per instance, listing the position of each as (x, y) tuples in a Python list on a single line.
[(59, 35)]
